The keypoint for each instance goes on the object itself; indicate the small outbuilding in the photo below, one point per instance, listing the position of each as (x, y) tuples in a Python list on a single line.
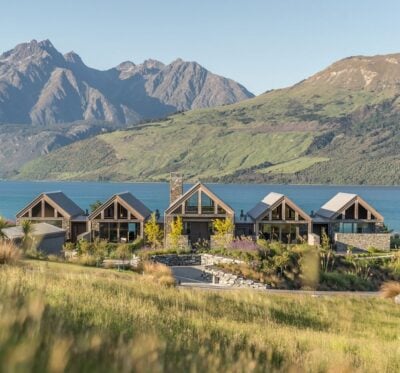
[(44, 237)]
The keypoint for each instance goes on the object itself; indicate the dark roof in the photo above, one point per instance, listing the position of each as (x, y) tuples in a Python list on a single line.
[(61, 200), (130, 200), (67, 204), (135, 203)]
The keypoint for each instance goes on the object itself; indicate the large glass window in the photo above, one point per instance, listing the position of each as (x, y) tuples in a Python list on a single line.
[(122, 212), (290, 214), (350, 212), (207, 204), (37, 210), (277, 213), (362, 212), (48, 211), (192, 204), (109, 212)]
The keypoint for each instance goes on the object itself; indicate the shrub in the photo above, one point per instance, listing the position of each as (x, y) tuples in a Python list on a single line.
[(9, 253), (85, 260), (390, 289), (344, 281)]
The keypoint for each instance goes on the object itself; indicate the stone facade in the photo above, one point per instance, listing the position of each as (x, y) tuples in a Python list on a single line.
[(175, 187), (362, 241)]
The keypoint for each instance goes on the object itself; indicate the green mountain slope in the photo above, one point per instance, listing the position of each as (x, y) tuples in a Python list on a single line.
[(339, 126)]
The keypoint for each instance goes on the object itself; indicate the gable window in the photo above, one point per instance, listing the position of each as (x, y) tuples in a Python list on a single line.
[(109, 212), (37, 210), (290, 214), (192, 204), (207, 204), (48, 211), (122, 212), (362, 212), (221, 210), (350, 212), (277, 213)]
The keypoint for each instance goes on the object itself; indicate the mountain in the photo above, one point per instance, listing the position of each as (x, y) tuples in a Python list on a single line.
[(40, 86), (341, 125)]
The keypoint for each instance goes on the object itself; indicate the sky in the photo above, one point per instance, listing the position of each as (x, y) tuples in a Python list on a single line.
[(262, 44)]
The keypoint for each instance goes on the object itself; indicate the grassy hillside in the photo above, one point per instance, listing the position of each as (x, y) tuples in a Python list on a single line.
[(339, 126), (120, 322)]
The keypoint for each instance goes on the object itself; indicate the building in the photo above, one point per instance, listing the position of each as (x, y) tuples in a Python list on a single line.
[(198, 208), (119, 219), (277, 218), (56, 209), (348, 220), (44, 237)]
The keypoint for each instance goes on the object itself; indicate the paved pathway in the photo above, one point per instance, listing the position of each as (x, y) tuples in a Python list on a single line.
[(191, 277)]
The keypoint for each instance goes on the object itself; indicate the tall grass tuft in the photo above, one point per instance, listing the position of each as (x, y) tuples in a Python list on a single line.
[(390, 289), (9, 253), (158, 273)]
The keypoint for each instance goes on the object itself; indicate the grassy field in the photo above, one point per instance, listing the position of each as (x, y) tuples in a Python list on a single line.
[(57, 317)]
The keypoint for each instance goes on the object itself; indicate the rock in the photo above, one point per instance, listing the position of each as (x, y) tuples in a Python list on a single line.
[(397, 299)]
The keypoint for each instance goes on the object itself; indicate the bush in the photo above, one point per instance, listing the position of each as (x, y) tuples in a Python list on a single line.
[(85, 260), (148, 252), (344, 281), (9, 253), (390, 289)]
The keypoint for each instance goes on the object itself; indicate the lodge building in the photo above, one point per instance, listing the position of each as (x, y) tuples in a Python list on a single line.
[(346, 218)]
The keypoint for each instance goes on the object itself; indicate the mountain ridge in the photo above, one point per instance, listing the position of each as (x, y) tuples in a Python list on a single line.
[(39, 85)]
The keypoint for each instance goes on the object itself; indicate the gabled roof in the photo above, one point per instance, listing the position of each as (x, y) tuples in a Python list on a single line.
[(340, 202), (60, 200), (269, 202), (193, 190), (39, 229), (130, 201)]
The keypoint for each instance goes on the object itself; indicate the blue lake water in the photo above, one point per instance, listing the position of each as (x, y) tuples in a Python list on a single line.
[(15, 195)]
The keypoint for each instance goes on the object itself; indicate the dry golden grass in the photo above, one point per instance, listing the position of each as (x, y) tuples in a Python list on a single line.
[(390, 289), (9, 253), (62, 317), (158, 273)]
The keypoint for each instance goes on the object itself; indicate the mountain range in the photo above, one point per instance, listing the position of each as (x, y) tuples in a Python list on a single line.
[(341, 125), (39, 85)]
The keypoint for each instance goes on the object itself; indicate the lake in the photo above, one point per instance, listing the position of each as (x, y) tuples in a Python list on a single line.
[(14, 195)]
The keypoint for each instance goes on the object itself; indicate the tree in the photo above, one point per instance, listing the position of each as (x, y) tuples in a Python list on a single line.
[(326, 253), (27, 229), (223, 229), (175, 234), (3, 224), (153, 232), (95, 205)]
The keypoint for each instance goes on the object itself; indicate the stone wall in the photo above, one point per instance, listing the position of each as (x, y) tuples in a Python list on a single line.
[(362, 241), (219, 277), (192, 259)]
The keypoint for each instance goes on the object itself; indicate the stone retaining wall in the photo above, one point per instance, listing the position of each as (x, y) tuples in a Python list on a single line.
[(217, 276), (362, 241), (193, 259)]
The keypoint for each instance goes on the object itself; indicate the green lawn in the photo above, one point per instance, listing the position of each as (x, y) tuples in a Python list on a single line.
[(57, 317)]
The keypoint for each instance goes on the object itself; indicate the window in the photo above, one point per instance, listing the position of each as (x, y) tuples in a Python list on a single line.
[(37, 210), (122, 212), (192, 204), (290, 214), (362, 212), (221, 211), (277, 213), (350, 212), (48, 211), (109, 212), (207, 204), (177, 211)]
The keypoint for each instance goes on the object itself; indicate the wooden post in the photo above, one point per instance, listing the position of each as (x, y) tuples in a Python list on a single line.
[(42, 208), (356, 210), (199, 202)]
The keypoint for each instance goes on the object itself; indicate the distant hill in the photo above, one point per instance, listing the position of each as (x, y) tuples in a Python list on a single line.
[(39, 85), (49, 100), (342, 125)]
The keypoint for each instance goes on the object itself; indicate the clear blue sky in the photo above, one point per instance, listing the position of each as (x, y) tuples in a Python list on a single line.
[(263, 44)]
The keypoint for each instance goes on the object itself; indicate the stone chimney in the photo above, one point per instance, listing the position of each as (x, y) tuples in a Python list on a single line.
[(175, 187)]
